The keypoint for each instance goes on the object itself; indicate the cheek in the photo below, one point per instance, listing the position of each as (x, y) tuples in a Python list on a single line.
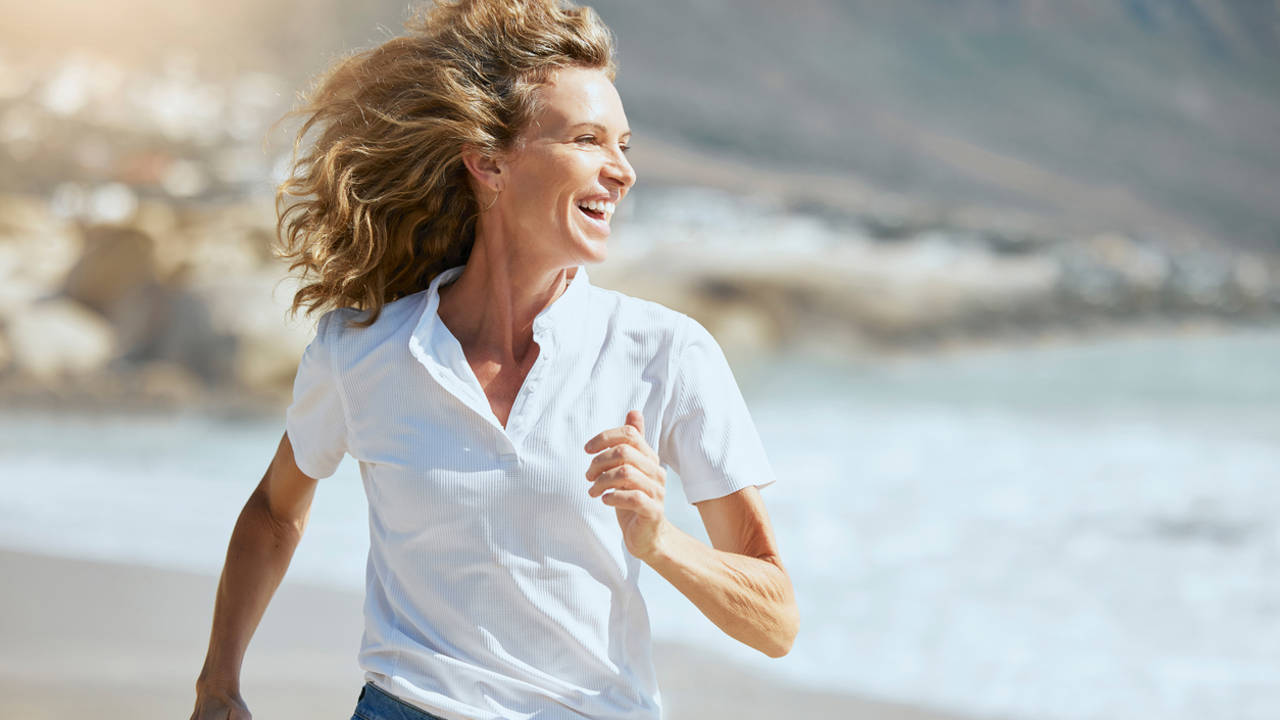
[(548, 185), (542, 207)]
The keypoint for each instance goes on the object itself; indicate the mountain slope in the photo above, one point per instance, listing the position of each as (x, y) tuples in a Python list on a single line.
[(1157, 117)]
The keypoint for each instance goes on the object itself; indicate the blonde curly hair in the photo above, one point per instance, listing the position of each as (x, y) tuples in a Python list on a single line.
[(380, 203)]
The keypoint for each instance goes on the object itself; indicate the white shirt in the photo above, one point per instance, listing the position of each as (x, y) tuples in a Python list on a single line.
[(496, 587)]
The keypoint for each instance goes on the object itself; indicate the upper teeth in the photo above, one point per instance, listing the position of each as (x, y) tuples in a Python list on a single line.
[(603, 206)]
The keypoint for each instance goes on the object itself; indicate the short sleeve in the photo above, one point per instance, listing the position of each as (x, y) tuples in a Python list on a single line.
[(708, 436), (316, 419)]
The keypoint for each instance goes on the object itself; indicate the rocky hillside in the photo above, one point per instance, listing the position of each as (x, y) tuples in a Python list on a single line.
[(1143, 117), (1155, 117)]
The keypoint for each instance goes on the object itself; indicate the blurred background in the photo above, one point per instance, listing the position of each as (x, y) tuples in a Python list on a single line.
[(999, 279)]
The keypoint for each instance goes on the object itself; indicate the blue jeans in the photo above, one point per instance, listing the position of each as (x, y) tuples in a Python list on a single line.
[(376, 704)]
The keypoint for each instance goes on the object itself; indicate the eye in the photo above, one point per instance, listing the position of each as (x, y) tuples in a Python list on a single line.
[(589, 139), (625, 146)]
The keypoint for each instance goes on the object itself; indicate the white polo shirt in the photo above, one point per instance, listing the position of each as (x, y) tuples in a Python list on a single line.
[(496, 587)]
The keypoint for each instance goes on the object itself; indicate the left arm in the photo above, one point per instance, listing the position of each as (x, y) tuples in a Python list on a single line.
[(739, 583)]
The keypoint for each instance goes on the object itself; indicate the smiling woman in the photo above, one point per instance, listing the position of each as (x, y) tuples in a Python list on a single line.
[(381, 201), (565, 175), (513, 423)]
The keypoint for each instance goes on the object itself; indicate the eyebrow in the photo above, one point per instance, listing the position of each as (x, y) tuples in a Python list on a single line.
[(598, 127)]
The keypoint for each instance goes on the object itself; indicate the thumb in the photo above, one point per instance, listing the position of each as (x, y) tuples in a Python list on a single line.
[(636, 420)]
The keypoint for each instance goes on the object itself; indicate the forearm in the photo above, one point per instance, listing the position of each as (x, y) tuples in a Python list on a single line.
[(749, 598), (257, 557)]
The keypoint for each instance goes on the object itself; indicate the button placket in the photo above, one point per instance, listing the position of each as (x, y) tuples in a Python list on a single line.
[(446, 361), (516, 424)]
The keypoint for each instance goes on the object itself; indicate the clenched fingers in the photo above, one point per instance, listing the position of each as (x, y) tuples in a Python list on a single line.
[(627, 477), (622, 435), (619, 455)]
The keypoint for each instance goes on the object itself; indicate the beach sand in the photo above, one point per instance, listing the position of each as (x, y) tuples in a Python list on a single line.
[(91, 639)]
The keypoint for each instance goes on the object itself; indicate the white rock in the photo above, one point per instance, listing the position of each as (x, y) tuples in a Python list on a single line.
[(55, 338), (112, 203)]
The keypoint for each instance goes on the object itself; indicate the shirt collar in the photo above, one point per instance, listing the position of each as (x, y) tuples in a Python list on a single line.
[(562, 322)]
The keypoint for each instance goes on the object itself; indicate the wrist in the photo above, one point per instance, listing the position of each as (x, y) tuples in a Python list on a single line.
[(661, 548), (218, 684)]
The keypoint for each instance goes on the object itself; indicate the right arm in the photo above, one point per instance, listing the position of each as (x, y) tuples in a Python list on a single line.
[(262, 544)]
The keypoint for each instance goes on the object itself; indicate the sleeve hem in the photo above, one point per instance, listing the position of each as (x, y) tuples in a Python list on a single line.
[(302, 458), (698, 494)]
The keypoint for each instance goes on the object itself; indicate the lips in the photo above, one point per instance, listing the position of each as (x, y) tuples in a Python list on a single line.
[(598, 206), (597, 210), (595, 219)]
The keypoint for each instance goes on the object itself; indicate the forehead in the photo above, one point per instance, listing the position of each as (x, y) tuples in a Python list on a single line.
[(578, 95)]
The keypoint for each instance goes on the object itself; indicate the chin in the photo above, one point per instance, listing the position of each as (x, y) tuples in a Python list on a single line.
[(593, 250), (596, 256)]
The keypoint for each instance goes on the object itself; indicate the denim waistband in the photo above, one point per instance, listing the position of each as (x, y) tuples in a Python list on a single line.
[(377, 704)]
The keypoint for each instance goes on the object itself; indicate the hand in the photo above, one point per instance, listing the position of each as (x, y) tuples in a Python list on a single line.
[(630, 468), (220, 706)]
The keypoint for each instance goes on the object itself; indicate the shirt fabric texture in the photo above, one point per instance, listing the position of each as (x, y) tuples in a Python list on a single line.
[(496, 588)]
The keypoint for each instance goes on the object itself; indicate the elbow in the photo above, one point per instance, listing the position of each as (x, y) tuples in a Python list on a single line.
[(786, 617), (784, 632), (786, 636), (283, 528), (777, 651), (778, 647)]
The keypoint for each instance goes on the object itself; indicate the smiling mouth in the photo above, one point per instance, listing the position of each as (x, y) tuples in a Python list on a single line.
[(598, 210)]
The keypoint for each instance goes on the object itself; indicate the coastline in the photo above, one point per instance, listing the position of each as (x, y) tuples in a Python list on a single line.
[(124, 391), (89, 638)]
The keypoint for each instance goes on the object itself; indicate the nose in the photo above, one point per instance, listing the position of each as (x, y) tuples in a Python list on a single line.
[(619, 170)]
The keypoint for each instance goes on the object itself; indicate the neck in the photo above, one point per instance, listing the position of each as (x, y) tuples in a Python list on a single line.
[(491, 305)]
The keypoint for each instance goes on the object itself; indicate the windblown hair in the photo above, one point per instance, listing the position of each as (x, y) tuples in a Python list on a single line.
[(381, 200)]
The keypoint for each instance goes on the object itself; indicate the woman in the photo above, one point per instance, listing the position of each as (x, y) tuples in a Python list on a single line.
[(510, 419)]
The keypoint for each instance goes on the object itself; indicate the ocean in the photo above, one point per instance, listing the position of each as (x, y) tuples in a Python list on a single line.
[(1076, 530)]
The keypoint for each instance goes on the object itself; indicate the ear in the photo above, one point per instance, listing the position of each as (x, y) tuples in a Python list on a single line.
[(486, 171)]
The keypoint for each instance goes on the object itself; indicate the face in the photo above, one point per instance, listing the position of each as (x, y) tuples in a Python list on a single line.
[(568, 171)]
